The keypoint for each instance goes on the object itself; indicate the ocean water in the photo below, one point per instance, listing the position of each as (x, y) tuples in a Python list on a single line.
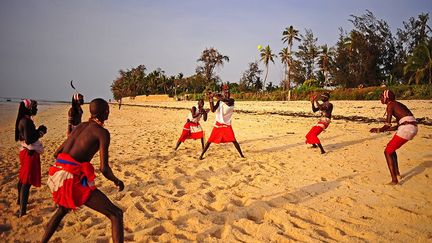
[(9, 109)]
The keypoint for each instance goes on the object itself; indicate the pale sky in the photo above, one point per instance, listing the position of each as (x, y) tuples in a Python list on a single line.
[(46, 43)]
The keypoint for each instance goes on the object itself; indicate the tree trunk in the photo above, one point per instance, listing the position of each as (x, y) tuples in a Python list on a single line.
[(265, 78), (289, 78)]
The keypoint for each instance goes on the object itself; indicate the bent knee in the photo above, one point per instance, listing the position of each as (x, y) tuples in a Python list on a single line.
[(388, 151), (117, 213)]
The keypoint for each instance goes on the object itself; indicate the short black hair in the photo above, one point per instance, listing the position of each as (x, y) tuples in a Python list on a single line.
[(98, 107)]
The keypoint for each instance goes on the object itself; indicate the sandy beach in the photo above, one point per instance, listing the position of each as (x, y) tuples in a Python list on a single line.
[(282, 191)]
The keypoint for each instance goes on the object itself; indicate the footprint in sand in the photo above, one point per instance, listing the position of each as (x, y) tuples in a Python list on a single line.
[(237, 203), (210, 197), (179, 170), (136, 194), (5, 228), (159, 230), (180, 193)]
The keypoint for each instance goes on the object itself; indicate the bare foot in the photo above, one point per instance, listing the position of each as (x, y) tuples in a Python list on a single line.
[(201, 157), (393, 183), (20, 214)]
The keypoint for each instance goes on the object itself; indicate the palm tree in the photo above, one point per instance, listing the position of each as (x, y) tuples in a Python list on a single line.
[(419, 65), (286, 59), (289, 35), (211, 58), (266, 57), (325, 61), (177, 82)]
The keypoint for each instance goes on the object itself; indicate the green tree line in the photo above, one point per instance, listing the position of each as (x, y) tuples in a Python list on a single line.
[(367, 55)]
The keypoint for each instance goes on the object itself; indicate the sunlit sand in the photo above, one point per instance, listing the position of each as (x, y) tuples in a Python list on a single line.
[(283, 190)]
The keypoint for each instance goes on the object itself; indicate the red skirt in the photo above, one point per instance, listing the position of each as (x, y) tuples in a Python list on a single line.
[(312, 136), (222, 133), (191, 130), (395, 143), (30, 168), (71, 182)]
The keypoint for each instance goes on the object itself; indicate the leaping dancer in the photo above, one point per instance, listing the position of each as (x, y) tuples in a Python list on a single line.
[(326, 109), (406, 130)]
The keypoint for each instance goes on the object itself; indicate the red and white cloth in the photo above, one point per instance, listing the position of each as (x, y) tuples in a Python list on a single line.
[(404, 133), (36, 146), (312, 136), (71, 182), (408, 131), (222, 131), (191, 130)]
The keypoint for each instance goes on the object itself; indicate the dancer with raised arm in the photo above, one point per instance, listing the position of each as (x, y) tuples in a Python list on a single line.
[(326, 109), (222, 130), (75, 112)]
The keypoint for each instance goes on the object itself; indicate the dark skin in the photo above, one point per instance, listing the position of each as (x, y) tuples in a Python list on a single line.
[(225, 97), (82, 144), (195, 115), (326, 108), (76, 117), (398, 110), (29, 134)]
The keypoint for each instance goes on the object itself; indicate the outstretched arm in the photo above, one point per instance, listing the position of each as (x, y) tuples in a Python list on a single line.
[(104, 141), (204, 113), (387, 125), (315, 109)]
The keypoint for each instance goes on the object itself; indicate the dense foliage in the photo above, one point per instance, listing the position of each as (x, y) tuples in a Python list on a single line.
[(367, 55)]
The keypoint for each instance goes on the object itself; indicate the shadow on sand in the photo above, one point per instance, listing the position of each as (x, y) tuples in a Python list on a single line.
[(298, 196), (336, 146), (415, 171)]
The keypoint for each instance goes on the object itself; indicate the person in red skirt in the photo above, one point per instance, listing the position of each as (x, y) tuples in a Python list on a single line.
[(222, 130), (406, 130), (326, 109), (30, 150), (72, 178), (192, 129)]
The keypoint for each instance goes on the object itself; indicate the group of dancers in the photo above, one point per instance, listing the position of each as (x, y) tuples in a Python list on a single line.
[(222, 130), (71, 178)]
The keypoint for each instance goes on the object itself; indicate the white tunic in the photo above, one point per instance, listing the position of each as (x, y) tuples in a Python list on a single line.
[(224, 113)]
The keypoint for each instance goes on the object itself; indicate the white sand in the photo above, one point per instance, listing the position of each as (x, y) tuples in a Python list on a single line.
[(281, 191)]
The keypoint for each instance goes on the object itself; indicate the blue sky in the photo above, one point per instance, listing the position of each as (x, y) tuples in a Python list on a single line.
[(46, 43)]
